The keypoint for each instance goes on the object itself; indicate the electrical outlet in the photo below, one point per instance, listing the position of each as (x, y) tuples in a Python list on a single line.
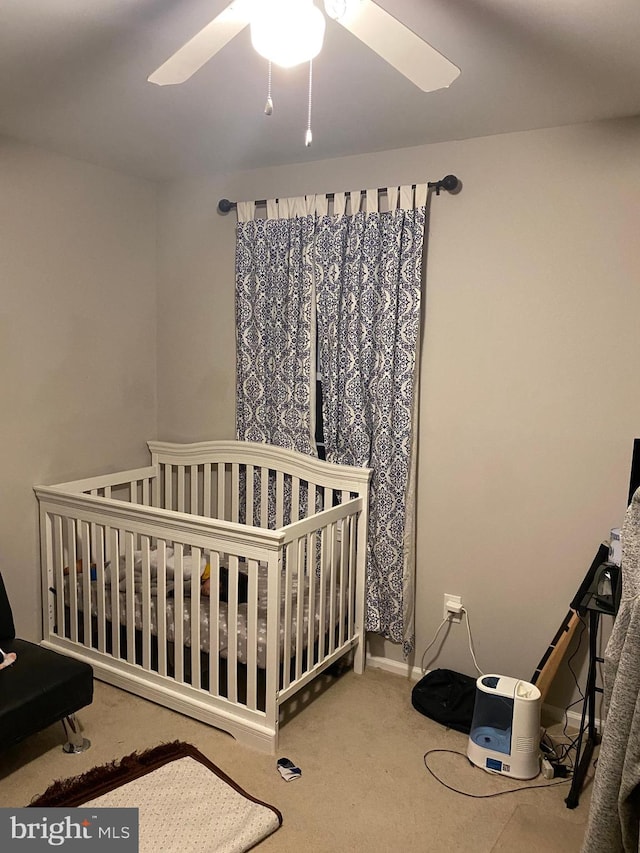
[(452, 608)]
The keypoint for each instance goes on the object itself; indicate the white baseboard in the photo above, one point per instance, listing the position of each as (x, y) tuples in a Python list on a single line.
[(397, 667), (414, 673)]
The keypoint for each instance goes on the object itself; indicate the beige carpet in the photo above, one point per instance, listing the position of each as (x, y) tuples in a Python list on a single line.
[(522, 833), (364, 787)]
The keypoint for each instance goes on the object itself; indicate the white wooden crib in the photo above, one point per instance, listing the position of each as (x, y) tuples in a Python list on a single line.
[(282, 537)]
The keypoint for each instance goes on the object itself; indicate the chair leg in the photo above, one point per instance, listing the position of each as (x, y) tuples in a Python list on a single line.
[(75, 741)]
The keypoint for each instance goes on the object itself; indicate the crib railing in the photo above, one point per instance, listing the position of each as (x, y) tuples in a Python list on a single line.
[(247, 482)]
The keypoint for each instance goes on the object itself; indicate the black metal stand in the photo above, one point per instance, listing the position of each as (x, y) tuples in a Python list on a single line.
[(588, 736)]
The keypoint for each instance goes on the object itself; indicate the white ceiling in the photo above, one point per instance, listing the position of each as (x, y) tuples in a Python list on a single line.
[(73, 79)]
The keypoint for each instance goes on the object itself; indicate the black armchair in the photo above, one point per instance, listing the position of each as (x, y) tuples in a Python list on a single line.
[(40, 688)]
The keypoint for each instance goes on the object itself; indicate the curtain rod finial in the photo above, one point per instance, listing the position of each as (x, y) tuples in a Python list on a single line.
[(450, 183), (224, 205)]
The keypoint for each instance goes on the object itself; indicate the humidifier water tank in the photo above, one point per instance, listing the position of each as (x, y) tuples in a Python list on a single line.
[(505, 728)]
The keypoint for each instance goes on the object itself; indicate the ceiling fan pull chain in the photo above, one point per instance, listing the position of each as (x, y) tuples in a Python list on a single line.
[(309, 138), (268, 109)]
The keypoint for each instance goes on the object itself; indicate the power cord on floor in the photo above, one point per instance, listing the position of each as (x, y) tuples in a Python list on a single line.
[(482, 796)]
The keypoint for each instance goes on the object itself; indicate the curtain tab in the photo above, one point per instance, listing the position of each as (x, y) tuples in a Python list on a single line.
[(298, 206), (354, 196), (421, 195), (284, 208), (339, 204), (245, 210), (372, 201), (272, 208), (406, 197), (320, 204), (392, 198)]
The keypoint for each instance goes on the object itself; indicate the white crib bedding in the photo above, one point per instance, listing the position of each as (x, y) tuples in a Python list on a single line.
[(207, 612)]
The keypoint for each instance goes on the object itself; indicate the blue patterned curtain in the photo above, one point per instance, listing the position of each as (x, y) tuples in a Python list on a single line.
[(364, 270), (275, 325), (368, 288)]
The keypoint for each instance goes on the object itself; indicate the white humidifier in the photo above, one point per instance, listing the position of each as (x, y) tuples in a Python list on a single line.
[(505, 729)]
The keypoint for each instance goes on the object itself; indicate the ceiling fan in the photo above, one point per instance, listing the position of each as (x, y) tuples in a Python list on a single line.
[(293, 21)]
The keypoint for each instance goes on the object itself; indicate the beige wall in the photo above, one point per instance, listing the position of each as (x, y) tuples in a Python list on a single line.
[(529, 391), (77, 339)]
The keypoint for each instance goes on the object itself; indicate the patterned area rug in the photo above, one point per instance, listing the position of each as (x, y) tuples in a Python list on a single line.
[(185, 802)]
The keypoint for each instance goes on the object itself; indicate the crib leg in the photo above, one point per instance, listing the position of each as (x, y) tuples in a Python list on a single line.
[(75, 741), (359, 658)]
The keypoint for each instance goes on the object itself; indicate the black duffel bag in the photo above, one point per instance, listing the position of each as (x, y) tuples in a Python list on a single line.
[(446, 697)]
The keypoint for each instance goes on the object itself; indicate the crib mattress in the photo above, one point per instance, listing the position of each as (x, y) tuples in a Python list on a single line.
[(209, 615)]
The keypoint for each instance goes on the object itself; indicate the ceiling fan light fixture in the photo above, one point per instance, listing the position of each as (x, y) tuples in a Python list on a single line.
[(287, 32)]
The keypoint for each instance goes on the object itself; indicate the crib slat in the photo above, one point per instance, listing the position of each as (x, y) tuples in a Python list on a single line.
[(178, 610), (333, 556), (193, 478), (85, 552), (206, 490), (129, 586), (274, 596), (291, 559), (346, 573), (72, 579), (264, 497), (168, 487), (214, 624), (58, 566), (161, 605), (99, 588), (343, 579), (47, 579), (195, 616), (252, 634), (295, 498), (249, 488), (180, 487), (156, 488), (279, 499), (312, 550), (353, 533), (300, 607), (115, 592), (235, 491), (93, 547), (232, 622), (145, 604), (221, 509), (322, 583)]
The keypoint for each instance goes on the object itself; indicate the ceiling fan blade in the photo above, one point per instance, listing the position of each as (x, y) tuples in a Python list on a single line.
[(205, 44), (413, 57)]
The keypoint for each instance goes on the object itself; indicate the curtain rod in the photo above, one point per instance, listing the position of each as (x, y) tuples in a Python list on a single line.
[(449, 183)]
